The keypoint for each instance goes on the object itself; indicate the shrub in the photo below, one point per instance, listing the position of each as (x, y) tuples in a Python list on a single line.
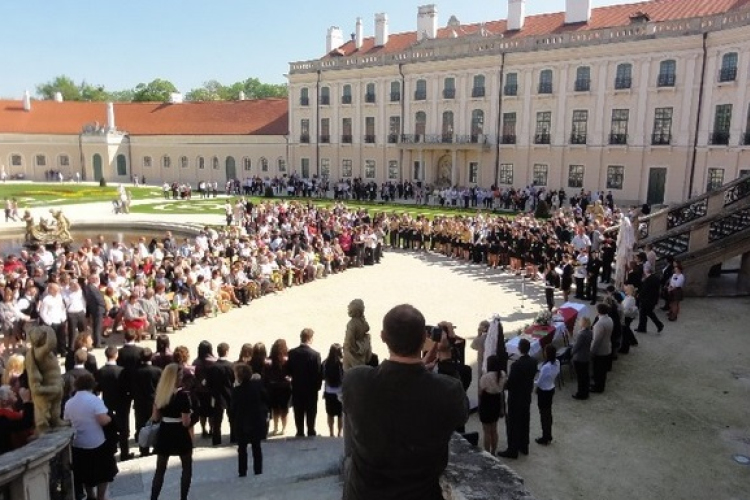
[(542, 210), (268, 192), (102, 182)]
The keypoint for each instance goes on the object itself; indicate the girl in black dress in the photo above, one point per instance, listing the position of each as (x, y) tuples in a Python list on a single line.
[(204, 360), (279, 386), (173, 410), (491, 402), (333, 375)]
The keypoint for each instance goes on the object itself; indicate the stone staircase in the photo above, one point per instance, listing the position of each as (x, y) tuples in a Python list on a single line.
[(702, 233)]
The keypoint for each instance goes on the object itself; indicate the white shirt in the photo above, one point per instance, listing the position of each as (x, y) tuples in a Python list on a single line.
[(677, 280), (52, 309), (82, 410), (74, 301), (547, 376)]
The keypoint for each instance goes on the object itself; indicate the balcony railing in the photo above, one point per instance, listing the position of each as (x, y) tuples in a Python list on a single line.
[(745, 141), (449, 93), (623, 82), (325, 100), (508, 139), (583, 85), (545, 88), (719, 138), (618, 139), (412, 138), (446, 138), (324, 138), (578, 138), (661, 139), (477, 92), (304, 138), (395, 96), (369, 139), (346, 99), (346, 139), (727, 74), (370, 98), (511, 90), (304, 101), (392, 138), (420, 95), (542, 139), (666, 80)]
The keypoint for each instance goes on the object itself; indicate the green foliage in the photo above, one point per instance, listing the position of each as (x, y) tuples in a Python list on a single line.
[(155, 91), (542, 210), (253, 88), (63, 84)]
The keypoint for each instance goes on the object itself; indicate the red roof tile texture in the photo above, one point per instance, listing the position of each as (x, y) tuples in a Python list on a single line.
[(548, 24), (253, 117)]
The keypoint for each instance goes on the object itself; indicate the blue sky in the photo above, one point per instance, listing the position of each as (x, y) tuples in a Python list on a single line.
[(119, 44)]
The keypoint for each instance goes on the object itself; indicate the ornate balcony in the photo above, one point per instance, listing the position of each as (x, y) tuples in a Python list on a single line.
[(511, 90), (727, 74), (449, 93), (545, 88), (719, 138), (542, 138), (618, 139), (478, 92), (346, 99), (661, 139), (346, 139), (583, 85), (395, 96), (324, 138), (325, 100), (420, 95), (666, 80), (578, 138), (508, 139), (369, 139), (304, 138), (370, 98), (623, 83)]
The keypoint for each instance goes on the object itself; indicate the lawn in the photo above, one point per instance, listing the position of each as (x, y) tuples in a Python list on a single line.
[(216, 206), (32, 194)]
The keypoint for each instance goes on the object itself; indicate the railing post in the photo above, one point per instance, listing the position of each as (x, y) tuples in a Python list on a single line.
[(715, 203), (658, 223), (699, 237)]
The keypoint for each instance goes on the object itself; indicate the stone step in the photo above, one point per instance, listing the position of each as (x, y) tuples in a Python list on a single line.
[(292, 469)]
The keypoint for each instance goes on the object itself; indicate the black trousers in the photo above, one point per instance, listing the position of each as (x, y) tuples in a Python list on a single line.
[(122, 418), (96, 327), (142, 414), (580, 285), (628, 337), (217, 417), (517, 423), (600, 367), (242, 456), (584, 378), (544, 402), (591, 287), (305, 411), (59, 329), (644, 314), (76, 325), (549, 294)]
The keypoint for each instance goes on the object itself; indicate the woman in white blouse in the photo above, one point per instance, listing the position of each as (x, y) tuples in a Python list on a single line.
[(676, 282), (545, 391)]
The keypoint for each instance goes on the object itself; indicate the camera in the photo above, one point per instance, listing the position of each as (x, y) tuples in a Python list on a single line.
[(434, 332)]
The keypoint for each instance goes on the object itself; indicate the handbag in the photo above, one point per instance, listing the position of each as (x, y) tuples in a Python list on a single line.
[(148, 433)]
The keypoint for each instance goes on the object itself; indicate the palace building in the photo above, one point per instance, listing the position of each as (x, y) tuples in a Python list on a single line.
[(649, 100)]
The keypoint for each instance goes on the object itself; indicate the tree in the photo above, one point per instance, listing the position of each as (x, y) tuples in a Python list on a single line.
[(211, 91), (255, 89), (122, 95), (93, 92), (156, 91), (63, 84)]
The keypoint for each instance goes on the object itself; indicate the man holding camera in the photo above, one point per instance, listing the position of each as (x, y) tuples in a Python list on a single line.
[(399, 418)]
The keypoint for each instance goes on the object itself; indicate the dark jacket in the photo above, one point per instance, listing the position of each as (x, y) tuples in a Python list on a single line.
[(249, 411), (648, 293), (520, 383), (94, 300), (90, 363), (69, 380), (129, 357), (111, 385), (10, 426), (582, 348), (146, 379), (304, 368), (219, 381)]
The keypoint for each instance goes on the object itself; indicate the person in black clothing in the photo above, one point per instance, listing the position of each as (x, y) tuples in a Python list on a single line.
[(110, 384), (220, 380), (520, 386), (10, 424), (648, 294), (304, 369), (248, 413), (592, 276), (146, 379), (666, 276), (82, 341), (608, 257), (551, 281), (95, 307), (129, 357), (69, 378), (566, 282)]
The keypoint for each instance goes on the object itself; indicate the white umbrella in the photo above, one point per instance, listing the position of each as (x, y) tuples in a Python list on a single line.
[(625, 243)]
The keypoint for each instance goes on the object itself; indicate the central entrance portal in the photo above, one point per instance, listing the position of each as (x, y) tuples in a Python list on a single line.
[(444, 176)]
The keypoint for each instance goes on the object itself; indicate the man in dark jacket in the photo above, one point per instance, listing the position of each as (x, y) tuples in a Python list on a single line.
[(249, 415), (129, 357), (70, 376), (110, 383), (95, 308), (219, 381), (145, 379), (304, 369), (648, 295), (520, 386)]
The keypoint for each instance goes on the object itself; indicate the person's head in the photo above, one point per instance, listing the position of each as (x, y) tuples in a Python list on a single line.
[(181, 355), (483, 327), (246, 352), (677, 268), (80, 356), (146, 355), (83, 339), (243, 372), (404, 331), (7, 397), (524, 346), (171, 378), (335, 353), (279, 350), (306, 336), (205, 350), (602, 309), (550, 353), (222, 350), (493, 364), (629, 290), (585, 323), (84, 382), (260, 353)]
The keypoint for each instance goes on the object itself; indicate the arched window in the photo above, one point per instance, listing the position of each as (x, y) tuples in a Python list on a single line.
[(477, 124), (63, 161), (447, 128), (263, 164), (215, 162), (40, 160), (478, 89), (281, 164), (728, 71), (325, 95), (420, 92), (420, 125), (122, 165), (246, 164), (201, 162), (166, 161), (184, 162), (147, 161), (667, 73), (16, 161), (545, 81)]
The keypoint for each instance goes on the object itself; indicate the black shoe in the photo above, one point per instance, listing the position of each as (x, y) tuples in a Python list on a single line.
[(243, 474), (205, 435), (639, 331), (579, 397), (660, 328), (312, 434), (125, 458), (299, 435), (596, 391), (543, 441), (507, 454), (525, 451)]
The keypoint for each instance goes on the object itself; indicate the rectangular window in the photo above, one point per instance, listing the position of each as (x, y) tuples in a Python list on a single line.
[(473, 172), (346, 95), (619, 129), (715, 179), (511, 84), (16, 160), (282, 165), (624, 76), (575, 176), (394, 129), (744, 173), (722, 122), (478, 90), (370, 93), (728, 72), (41, 161), (325, 168), (417, 171), (346, 130), (420, 92), (583, 79), (540, 174), (579, 133), (305, 163), (543, 127), (201, 163), (662, 127), (449, 88), (304, 97), (64, 160), (304, 131), (370, 130), (505, 174), (166, 162), (147, 161), (545, 81), (395, 91), (346, 168), (509, 128), (369, 169), (615, 176), (184, 162), (667, 73), (393, 170), (325, 130)]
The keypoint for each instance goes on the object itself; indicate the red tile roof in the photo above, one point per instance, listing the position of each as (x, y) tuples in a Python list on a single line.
[(547, 24), (253, 117)]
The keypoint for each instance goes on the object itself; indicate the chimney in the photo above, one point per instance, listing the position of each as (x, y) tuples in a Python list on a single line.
[(175, 98), (241, 96), (334, 39), (358, 33), (381, 29), (58, 97), (111, 117), (577, 11), (516, 14), (27, 101), (427, 22)]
